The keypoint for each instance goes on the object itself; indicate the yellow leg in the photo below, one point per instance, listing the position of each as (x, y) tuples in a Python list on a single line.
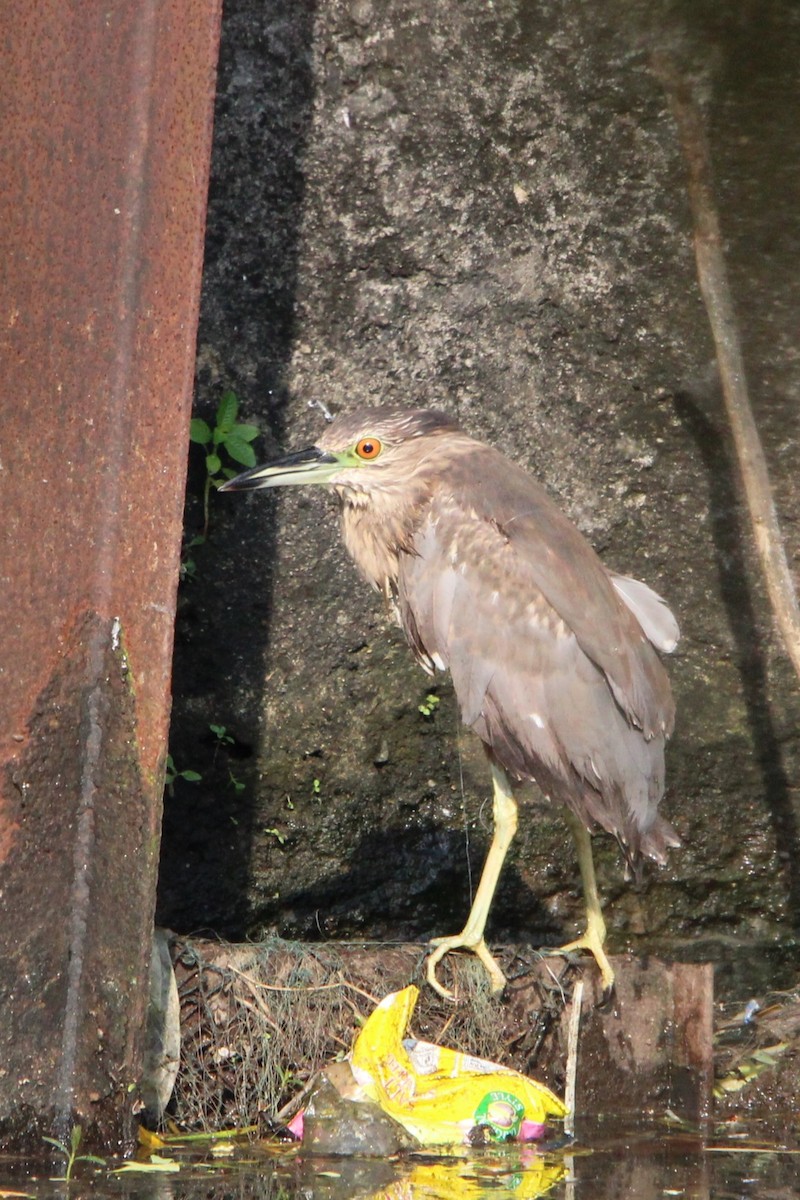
[(471, 936), (594, 937)]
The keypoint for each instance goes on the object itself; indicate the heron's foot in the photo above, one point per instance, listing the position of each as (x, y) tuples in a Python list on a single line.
[(593, 940), (463, 941)]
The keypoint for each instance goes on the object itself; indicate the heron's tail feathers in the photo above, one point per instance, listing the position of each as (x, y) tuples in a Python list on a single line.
[(655, 843), (659, 839)]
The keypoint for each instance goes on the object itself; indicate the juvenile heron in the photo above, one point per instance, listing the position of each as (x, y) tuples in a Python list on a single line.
[(552, 655)]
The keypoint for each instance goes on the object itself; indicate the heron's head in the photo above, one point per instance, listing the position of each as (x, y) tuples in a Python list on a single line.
[(372, 449)]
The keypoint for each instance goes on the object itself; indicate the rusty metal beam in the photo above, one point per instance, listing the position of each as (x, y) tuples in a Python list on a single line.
[(106, 135)]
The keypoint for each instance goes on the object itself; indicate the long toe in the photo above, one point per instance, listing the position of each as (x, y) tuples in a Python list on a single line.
[(433, 961), (591, 942), (458, 941)]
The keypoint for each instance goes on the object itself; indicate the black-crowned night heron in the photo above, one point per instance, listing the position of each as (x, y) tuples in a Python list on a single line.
[(551, 653)]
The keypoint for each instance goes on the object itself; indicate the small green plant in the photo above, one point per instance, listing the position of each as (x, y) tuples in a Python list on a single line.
[(280, 838), (316, 788), (70, 1152), (228, 435), (429, 705), (224, 740), (188, 567), (235, 783), (172, 773)]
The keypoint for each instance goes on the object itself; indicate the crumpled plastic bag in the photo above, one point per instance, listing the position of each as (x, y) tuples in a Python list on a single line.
[(441, 1096)]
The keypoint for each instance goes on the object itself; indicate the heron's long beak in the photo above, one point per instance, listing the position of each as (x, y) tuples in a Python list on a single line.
[(311, 465)]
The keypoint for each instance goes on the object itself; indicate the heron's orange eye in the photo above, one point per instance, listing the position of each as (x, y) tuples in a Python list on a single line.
[(368, 448)]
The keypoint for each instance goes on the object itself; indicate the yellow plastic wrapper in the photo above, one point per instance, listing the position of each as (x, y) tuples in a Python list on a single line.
[(441, 1096), (460, 1181)]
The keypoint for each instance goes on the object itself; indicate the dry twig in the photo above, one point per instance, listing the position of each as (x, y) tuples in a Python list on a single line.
[(716, 293)]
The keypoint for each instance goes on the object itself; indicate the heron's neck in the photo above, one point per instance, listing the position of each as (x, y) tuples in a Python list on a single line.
[(378, 527)]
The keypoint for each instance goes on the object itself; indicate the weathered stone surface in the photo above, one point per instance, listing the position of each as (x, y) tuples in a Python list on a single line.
[(483, 208)]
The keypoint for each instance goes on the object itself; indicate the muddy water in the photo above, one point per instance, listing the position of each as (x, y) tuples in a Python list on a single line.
[(638, 1163)]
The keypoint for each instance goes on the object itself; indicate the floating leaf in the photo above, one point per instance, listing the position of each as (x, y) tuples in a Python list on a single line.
[(149, 1140), (750, 1068), (175, 1135), (155, 1165), (223, 1149)]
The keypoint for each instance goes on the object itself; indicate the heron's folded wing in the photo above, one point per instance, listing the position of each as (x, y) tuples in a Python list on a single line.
[(523, 680), (568, 573)]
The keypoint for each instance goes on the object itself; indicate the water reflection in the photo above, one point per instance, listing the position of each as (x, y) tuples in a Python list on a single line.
[(640, 1165)]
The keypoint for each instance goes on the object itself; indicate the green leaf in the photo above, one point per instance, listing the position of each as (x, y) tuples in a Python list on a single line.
[(213, 463), (199, 431), (191, 776), (240, 450), (248, 433), (226, 412), (55, 1142)]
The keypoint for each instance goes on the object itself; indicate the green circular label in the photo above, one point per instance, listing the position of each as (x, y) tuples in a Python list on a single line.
[(502, 1113)]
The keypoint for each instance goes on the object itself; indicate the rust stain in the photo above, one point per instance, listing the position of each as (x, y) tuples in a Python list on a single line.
[(108, 117), (107, 122), (74, 955)]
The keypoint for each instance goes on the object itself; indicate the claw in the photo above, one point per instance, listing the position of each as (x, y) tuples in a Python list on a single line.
[(433, 961), (589, 941), (593, 940), (463, 941), (605, 1003)]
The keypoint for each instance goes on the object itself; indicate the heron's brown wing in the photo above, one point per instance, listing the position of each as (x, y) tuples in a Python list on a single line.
[(568, 573), (436, 603), (603, 767), (469, 601)]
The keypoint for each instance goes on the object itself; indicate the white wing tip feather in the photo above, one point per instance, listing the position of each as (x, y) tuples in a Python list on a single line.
[(651, 611)]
